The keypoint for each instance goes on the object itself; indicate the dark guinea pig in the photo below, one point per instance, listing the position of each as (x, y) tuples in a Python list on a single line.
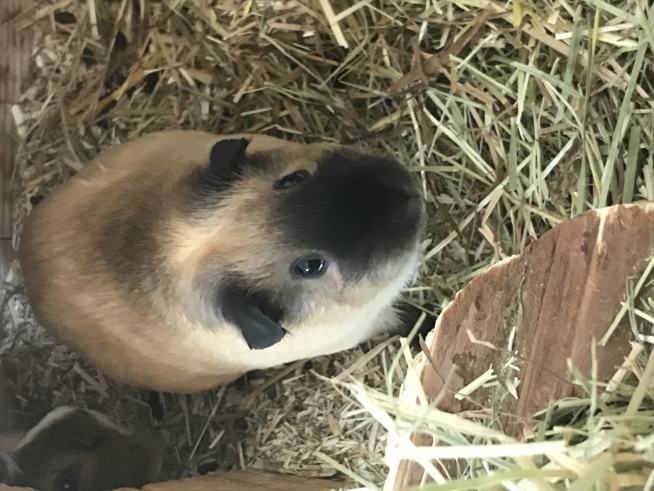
[(11, 431), (73, 449), (181, 260)]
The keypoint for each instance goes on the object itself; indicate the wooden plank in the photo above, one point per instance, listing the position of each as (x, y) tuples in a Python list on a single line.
[(245, 480), (555, 298), (15, 51)]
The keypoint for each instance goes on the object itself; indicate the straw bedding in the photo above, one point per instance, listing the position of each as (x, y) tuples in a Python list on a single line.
[(513, 115)]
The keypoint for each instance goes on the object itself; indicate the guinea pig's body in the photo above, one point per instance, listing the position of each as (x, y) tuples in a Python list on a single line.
[(72, 449), (181, 260)]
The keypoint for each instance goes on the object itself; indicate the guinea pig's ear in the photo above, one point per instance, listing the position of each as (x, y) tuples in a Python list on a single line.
[(255, 314), (226, 161)]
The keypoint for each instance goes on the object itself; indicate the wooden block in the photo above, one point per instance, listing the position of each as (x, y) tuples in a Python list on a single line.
[(246, 480), (562, 292)]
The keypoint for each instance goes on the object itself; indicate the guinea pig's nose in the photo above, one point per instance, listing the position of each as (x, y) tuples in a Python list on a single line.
[(408, 207)]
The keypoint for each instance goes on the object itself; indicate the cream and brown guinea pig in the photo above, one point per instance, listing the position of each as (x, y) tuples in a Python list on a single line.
[(181, 260), (74, 449)]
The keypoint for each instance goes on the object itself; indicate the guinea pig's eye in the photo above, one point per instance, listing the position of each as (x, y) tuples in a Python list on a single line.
[(292, 179), (66, 481), (309, 267)]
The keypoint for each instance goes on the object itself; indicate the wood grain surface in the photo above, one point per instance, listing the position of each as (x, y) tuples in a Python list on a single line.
[(562, 292), (245, 480)]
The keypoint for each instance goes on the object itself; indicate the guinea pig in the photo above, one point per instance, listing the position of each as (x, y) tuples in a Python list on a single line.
[(73, 449), (181, 260)]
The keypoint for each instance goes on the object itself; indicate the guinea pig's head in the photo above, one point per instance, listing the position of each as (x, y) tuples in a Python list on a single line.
[(296, 234), (73, 449)]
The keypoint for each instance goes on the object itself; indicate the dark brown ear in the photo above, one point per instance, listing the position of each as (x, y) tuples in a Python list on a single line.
[(254, 313), (226, 161)]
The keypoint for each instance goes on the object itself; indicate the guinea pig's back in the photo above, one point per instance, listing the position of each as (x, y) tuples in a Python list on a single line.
[(73, 291), (59, 240)]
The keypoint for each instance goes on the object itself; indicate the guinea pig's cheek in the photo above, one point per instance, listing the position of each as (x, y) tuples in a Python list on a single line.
[(330, 283), (320, 298)]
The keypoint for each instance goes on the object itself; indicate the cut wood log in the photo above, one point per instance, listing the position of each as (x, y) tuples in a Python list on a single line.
[(553, 300)]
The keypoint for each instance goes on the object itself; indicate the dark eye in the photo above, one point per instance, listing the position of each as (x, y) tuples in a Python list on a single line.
[(309, 267), (66, 481), (292, 179)]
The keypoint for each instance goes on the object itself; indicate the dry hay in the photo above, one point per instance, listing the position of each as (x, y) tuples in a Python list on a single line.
[(514, 115)]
